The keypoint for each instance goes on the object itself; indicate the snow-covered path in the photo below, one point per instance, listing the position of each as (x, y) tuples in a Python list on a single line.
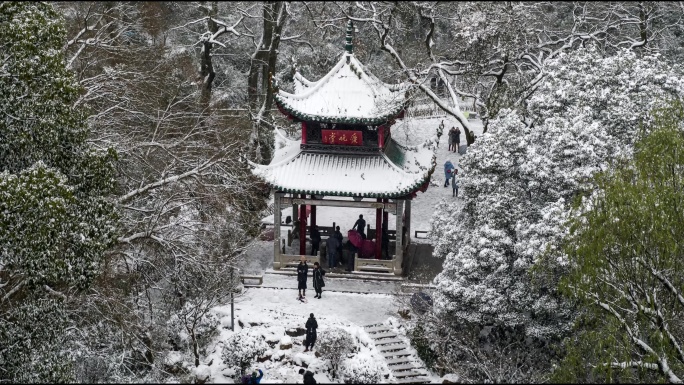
[(415, 132)]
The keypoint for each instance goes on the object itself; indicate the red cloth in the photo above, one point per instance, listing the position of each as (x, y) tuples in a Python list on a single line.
[(367, 249), (355, 238)]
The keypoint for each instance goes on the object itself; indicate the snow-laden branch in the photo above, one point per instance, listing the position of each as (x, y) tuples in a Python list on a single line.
[(195, 171)]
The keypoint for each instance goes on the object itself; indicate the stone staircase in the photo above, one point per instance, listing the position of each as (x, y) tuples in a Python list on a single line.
[(406, 368)]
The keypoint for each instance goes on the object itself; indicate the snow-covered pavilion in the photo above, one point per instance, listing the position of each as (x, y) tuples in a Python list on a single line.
[(346, 150)]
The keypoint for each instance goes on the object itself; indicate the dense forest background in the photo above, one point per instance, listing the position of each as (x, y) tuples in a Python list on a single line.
[(125, 198)]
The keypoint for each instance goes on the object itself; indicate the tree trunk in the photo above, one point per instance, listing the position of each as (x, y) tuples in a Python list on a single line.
[(262, 69), (206, 65)]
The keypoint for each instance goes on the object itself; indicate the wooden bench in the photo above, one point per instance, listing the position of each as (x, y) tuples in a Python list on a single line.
[(259, 278)]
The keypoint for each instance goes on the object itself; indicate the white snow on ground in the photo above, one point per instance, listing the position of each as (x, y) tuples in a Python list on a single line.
[(347, 303)]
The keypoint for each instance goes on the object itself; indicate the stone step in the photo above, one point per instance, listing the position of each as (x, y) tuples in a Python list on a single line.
[(388, 341), (413, 380), (398, 360), (407, 373), (378, 336), (364, 276), (405, 366), (397, 353), (377, 269), (388, 348), (376, 329)]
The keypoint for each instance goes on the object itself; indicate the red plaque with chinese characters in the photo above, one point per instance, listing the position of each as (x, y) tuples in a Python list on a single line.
[(342, 137)]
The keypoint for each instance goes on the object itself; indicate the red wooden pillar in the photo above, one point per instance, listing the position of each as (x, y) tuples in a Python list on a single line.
[(303, 132), (378, 231), (302, 228)]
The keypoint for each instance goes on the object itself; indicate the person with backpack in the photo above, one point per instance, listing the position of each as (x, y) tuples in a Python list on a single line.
[(311, 326), (448, 166), (318, 283), (308, 376)]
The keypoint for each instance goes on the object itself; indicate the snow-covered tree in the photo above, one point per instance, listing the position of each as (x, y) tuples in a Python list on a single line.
[(626, 266), (333, 345), (519, 180), (361, 369), (55, 223), (241, 349)]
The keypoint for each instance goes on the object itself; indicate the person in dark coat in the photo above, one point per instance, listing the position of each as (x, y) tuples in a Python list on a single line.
[(360, 226), (308, 376), (384, 245), (302, 272), (338, 234), (318, 283), (458, 139), (452, 139), (315, 240), (331, 246), (352, 252), (454, 185), (311, 326)]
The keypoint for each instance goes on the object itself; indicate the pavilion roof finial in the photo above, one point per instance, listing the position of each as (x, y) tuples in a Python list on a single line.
[(348, 45)]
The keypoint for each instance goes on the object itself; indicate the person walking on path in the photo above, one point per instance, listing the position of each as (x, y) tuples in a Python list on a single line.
[(331, 245), (457, 138), (311, 326), (452, 138), (302, 272), (360, 226), (454, 185), (315, 240), (448, 166), (308, 376), (440, 131), (318, 283)]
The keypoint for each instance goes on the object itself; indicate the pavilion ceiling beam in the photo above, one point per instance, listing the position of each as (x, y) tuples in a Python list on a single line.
[(390, 207)]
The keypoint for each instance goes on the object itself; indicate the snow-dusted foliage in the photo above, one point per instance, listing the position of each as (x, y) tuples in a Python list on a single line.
[(334, 345), (241, 349), (626, 267), (55, 224), (360, 369), (519, 180)]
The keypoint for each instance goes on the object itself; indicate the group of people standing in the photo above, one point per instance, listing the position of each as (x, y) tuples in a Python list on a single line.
[(454, 138), (334, 244), (302, 277)]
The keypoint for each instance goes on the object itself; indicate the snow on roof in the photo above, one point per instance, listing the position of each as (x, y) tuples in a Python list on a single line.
[(348, 93), (399, 172), (301, 84)]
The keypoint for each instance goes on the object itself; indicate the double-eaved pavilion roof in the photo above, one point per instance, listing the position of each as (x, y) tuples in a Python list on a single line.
[(347, 94), (397, 172)]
